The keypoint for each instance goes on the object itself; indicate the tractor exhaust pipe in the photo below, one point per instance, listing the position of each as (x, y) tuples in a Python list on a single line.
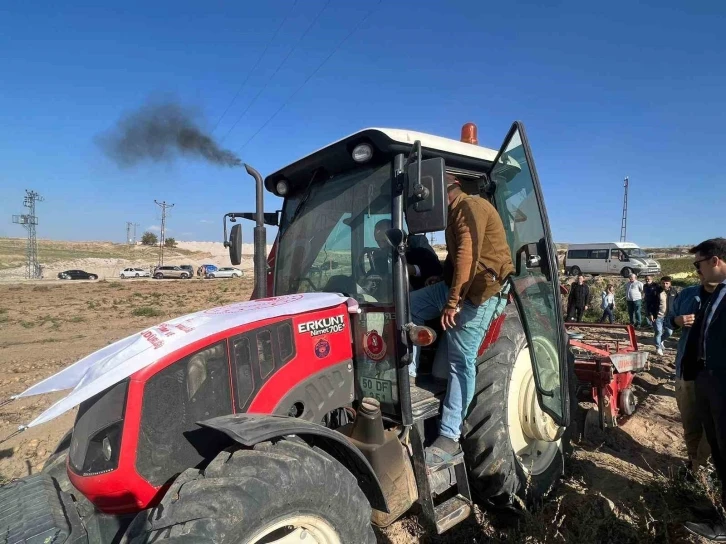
[(260, 238)]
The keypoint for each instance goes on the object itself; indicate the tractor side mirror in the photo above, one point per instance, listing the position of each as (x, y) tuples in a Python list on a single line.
[(426, 201), (235, 244)]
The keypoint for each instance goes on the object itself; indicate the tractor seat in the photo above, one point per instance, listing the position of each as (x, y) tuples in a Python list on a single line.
[(426, 397)]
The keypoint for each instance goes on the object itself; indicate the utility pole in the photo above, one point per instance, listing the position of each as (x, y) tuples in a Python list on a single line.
[(129, 224), (135, 225), (29, 221), (164, 206), (624, 222)]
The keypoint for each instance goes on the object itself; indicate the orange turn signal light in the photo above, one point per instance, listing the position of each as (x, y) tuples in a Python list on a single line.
[(421, 335)]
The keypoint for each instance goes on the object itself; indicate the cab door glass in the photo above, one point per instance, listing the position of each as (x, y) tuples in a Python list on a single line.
[(520, 204)]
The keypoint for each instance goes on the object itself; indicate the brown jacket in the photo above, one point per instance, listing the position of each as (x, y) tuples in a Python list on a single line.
[(477, 246)]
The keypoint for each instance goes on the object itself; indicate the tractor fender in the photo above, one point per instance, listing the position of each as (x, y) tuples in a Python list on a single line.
[(251, 429)]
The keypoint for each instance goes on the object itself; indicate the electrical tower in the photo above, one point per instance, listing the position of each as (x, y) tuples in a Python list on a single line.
[(129, 224), (135, 225), (162, 235), (624, 222), (29, 221)]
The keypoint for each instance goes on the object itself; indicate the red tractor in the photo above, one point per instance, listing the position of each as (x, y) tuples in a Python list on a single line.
[(292, 418)]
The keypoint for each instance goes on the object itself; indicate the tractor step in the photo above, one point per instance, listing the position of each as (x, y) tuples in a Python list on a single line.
[(436, 482), (451, 512), (426, 397)]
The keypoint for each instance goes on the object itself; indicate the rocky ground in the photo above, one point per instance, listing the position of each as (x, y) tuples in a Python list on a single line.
[(622, 485)]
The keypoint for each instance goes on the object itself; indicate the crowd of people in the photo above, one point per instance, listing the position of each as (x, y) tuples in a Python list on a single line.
[(648, 304), (700, 367)]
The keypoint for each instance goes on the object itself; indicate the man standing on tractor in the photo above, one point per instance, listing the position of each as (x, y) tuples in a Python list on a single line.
[(473, 292)]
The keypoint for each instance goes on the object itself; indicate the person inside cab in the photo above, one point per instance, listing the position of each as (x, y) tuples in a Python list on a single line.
[(422, 262), (472, 293)]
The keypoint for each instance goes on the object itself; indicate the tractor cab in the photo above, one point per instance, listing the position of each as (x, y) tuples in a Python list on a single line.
[(333, 201)]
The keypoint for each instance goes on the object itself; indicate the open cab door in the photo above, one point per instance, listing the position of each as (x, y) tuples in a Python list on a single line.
[(536, 289)]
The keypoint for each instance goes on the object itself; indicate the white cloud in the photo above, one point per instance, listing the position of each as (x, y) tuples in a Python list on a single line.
[(205, 220)]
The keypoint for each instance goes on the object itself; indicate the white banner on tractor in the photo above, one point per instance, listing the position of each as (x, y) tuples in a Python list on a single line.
[(118, 361)]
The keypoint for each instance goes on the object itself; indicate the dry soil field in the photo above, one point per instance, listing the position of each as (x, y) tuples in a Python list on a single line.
[(621, 486)]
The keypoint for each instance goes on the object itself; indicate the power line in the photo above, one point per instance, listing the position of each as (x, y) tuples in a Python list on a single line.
[(162, 238), (279, 66), (624, 220), (30, 221), (325, 60), (259, 59)]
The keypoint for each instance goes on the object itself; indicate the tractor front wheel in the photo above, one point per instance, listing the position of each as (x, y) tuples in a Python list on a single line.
[(281, 492), (515, 453)]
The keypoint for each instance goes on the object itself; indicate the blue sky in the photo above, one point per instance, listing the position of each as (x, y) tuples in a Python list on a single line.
[(605, 90)]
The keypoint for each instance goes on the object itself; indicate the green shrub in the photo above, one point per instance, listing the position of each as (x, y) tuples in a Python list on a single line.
[(146, 311)]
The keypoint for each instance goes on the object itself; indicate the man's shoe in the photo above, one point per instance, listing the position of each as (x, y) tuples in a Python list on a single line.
[(659, 351), (714, 533)]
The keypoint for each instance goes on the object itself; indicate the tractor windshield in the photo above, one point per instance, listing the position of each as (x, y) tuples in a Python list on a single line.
[(328, 243)]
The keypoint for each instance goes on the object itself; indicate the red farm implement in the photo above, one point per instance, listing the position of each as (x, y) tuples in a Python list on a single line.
[(606, 359)]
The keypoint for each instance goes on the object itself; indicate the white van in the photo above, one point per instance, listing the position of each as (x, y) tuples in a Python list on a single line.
[(621, 258)]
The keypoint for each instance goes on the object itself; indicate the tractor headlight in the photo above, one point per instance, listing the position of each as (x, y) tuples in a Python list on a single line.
[(362, 153), (96, 441), (106, 448)]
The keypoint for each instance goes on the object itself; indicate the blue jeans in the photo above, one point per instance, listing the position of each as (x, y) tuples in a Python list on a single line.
[(661, 333), (461, 345), (634, 307)]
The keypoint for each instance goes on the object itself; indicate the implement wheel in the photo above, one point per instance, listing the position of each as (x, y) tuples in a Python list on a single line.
[(274, 493), (513, 451), (627, 402)]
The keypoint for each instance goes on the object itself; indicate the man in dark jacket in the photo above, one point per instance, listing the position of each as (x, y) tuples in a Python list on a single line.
[(578, 299), (650, 296), (705, 360), (422, 262)]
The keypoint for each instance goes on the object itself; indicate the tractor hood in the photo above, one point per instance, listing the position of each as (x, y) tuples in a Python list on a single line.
[(118, 361)]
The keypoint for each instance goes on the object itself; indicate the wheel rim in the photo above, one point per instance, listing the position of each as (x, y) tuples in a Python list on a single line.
[(532, 433), (299, 529)]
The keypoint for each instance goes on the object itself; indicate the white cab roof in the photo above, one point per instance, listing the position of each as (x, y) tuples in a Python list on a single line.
[(437, 142)]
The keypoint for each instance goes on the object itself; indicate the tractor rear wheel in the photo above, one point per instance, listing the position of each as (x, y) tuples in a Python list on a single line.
[(512, 460), (281, 492)]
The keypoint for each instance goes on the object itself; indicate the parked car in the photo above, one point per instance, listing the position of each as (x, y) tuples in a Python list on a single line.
[(226, 272), (622, 258), (77, 275), (189, 268), (134, 273), (162, 272), (206, 269)]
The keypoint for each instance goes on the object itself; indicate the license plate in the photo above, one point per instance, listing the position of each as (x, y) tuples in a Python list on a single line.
[(378, 389)]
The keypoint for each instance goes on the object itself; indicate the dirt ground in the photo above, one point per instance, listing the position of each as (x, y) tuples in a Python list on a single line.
[(622, 485)]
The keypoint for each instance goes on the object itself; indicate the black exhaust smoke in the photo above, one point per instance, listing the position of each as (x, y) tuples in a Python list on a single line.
[(162, 131)]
